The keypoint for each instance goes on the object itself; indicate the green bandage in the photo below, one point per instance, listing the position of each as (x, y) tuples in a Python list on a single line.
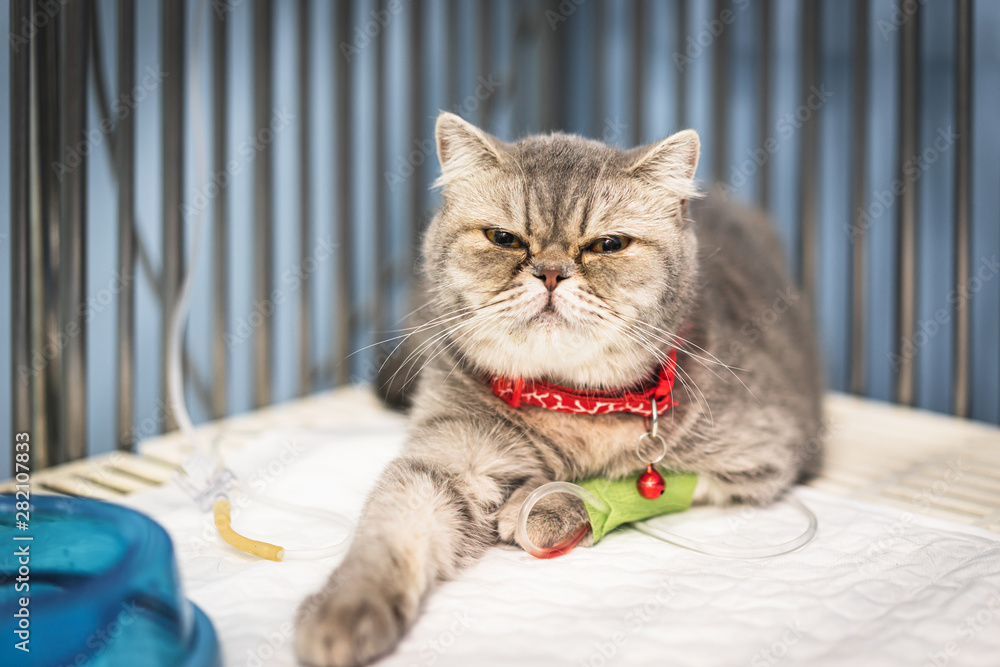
[(627, 505)]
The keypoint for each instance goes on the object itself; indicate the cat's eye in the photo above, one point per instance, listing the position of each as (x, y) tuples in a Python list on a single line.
[(607, 244), (504, 239)]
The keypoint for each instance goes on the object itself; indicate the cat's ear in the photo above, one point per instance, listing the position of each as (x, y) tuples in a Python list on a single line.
[(463, 149), (669, 164)]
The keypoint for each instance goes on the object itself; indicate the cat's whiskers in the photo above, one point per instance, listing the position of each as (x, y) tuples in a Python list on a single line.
[(447, 317), (450, 316), (475, 325), (433, 344), (684, 343), (680, 374)]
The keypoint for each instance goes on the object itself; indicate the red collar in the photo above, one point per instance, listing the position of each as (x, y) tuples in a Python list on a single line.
[(518, 392)]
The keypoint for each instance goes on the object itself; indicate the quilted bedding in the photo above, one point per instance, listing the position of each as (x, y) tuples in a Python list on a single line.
[(878, 586)]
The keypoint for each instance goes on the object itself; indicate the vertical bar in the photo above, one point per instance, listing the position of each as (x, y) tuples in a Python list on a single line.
[(454, 52), (20, 232), (809, 154), (383, 264), (598, 88), (764, 119), (963, 169), (550, 94), (220, 213), (263, 220), (74, 52), (172, 56), (484, 38), (416, 82), (125, 166), (906, 221), (720, 90), (682, 87), (859, 181), (305, 192), (46, 149), (639, 17), (345, 264)]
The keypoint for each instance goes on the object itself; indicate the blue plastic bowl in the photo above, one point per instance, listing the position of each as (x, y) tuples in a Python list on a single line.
[(103, 589)]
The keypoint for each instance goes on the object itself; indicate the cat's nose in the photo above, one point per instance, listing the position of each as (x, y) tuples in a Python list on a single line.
[(551, 277)]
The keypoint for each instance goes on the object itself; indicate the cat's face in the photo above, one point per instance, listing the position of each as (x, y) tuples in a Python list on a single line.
[(558, 257)]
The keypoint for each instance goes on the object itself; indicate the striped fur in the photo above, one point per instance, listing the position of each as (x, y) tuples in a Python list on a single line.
[(749, 384)]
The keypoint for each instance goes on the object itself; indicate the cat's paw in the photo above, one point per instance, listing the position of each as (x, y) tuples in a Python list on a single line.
[(554, 520), (350, 625)]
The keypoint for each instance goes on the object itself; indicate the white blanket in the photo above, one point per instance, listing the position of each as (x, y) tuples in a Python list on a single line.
[(878, 586)]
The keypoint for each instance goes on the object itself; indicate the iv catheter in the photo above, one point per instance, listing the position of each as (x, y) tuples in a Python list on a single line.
[(204, 476)]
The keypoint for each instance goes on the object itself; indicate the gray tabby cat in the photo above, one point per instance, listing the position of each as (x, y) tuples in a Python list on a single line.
[(562, 259)]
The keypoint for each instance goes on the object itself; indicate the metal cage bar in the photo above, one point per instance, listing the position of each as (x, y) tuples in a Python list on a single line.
[(383, 264), (484, 39), (680, 34), (304, 63), (173, 129), (764, 111), (720, 94), (859, 182), (343, 305), (598, 108), (263, 199), (963, 198), (21, 186), (220, 213), (125, 168), (44, 240), (809, 155), (74, 57), (639, 17), (416, 195), (906, 221)]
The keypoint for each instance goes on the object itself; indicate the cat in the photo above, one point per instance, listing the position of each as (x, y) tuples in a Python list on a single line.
[(562, 259)]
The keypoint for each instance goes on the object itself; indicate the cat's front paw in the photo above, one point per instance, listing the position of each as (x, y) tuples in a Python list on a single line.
[(350, 625), (554, 520)]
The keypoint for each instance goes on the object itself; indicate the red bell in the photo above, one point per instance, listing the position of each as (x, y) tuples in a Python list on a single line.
[(651, 484)]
